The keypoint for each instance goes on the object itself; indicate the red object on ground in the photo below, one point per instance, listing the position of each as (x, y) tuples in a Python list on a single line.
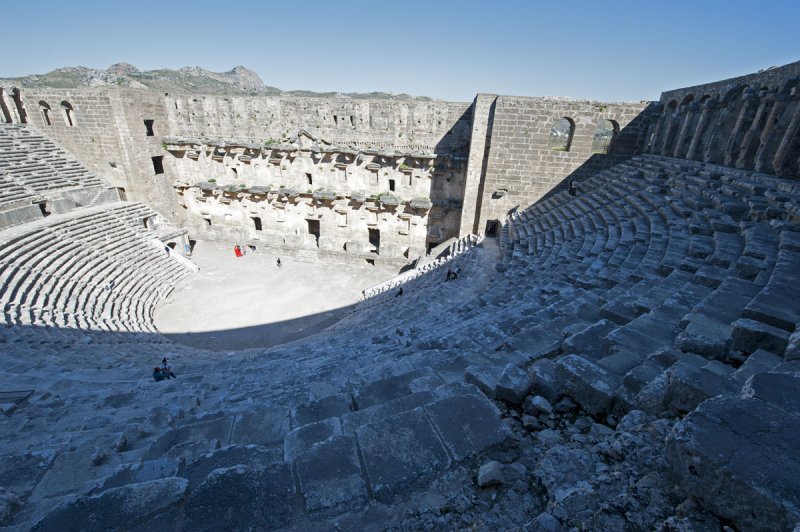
[(237, 251)]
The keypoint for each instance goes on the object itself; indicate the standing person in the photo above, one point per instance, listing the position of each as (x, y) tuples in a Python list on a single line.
[(279, 263), (157, 374), (573, 190), (237, 250), (166, 370)]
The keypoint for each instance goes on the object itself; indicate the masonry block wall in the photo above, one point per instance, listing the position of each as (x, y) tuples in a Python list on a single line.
[(750, 122), (449, 166), (415, 125), (521, 164)]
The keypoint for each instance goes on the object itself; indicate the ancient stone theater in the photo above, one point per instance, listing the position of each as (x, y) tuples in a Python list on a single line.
[(568, 314)]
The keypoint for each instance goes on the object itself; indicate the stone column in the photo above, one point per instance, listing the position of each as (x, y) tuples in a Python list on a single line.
[(746, 148), (691, 112), (672, 116), (786, 142), (749, 100), (768, 133), (708, 107)]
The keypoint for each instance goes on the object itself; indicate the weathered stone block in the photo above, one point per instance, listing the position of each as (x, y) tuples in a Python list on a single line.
[(589, 384), (545, 380), (330, 477), (264, 426), (400, 450), (467, 424), (513, 384), (688, 386), (738, 457), (484, 377), (239, 497), (116, 508), (304, 438), (705, 336), (750, 335)]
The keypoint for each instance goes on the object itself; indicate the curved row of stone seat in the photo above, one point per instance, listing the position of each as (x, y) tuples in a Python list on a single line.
[(32, 165), (457, 248), (424, 277), (91, 268), (597, 289), (700, 254)]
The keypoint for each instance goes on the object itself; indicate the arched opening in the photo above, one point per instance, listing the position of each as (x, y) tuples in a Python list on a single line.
[(561, 134), (21, 112), (604, 135), (723, 127), (69, 113), (5, 114), (44, 108), (673, 125)]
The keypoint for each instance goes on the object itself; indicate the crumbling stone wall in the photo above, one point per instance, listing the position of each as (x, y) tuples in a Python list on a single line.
[(750, 122), (415, 125)]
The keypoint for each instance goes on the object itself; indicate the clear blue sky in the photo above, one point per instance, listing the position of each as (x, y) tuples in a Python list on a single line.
[(609, 51)]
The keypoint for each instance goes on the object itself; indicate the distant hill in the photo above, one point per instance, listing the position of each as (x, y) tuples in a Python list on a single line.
[(195, 80)]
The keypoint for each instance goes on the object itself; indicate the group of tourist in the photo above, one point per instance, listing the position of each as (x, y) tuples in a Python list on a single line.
[(241, 251), (164, 371)]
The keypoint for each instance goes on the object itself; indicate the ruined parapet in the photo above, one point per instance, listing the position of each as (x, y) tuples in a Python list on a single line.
[(749, 122)]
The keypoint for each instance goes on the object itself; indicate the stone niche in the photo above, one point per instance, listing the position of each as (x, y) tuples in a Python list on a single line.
[(306, 196)]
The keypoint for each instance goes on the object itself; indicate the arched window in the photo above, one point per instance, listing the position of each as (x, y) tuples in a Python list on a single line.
[(44, 107), (561, 134), (604, 135), (69, 114)]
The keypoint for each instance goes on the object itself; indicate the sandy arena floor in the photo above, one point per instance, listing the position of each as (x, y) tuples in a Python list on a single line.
[(238, 303)]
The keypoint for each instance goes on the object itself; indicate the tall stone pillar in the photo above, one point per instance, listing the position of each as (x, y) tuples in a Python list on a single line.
[(749, 101), (708, 108), (691, 112), (786, 142), (747, 148), (480, 137), (768, 134), (671, 116)]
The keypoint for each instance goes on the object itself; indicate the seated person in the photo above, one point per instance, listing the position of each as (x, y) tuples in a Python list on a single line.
[(166, 370), (158, 375)]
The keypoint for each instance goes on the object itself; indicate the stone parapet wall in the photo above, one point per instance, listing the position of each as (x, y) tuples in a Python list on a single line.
[(750, 122)]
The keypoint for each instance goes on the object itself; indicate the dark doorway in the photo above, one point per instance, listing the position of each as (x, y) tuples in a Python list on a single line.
[(491, 228), (192, 243), (432, 245), (257, 223), (371, 262), (313, 229), (375, 239), (308, 178), (158, 164), (391, 185), (148, 124), (45, 209), (122, 195)]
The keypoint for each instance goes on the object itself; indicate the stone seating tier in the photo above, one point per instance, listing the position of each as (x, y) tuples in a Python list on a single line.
[(660, 287)]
